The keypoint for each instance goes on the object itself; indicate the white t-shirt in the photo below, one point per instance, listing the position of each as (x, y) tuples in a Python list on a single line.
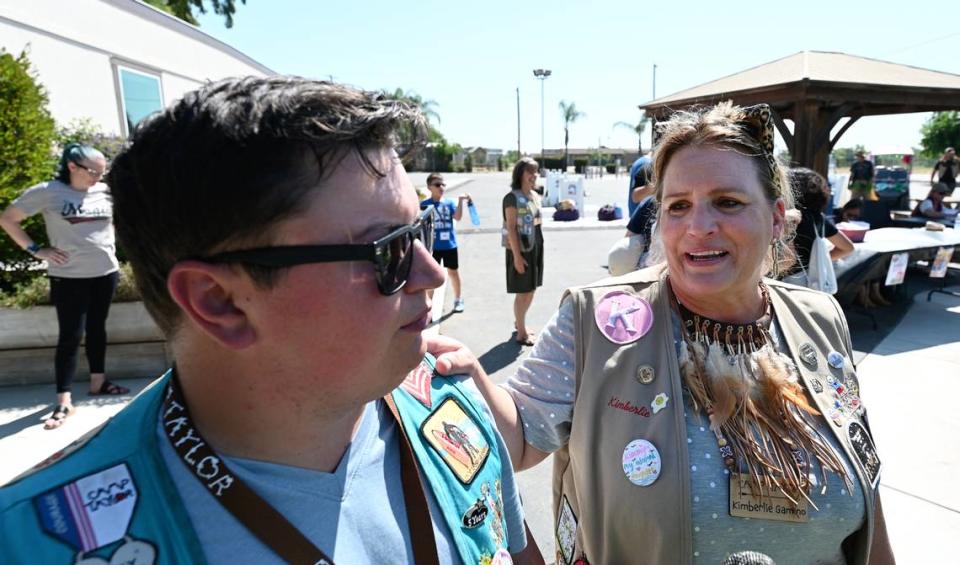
[(79, 222)]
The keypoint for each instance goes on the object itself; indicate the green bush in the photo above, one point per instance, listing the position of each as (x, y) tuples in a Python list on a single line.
[(27, 135), (88, 133), (36, 291)]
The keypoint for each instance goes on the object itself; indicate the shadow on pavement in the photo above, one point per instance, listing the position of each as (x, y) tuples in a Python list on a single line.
[(501, 355), (24, 421), (865, 337)]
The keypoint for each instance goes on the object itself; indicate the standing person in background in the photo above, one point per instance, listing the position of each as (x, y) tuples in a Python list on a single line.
[(861, 178), (524, 242), (445, 236), (948, 168), (640, 185), (814, 196), (82, 264)]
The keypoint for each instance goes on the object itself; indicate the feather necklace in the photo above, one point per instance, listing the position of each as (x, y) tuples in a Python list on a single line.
[(756, 406)]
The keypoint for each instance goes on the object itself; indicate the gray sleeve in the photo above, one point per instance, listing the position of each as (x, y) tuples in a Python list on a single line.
[(33, 200), (544, 388)]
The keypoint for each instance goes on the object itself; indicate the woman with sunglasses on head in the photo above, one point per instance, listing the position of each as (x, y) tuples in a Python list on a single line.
[(523, 239), (81, 263), (697, 408)]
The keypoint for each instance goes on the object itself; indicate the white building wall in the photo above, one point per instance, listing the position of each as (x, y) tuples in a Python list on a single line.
[(76, 46)]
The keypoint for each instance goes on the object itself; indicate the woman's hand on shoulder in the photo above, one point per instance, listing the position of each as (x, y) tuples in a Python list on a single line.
[(453, 357)]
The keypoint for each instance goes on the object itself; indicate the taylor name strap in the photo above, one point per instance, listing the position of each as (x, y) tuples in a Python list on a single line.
[(418, 514), (263, 520)]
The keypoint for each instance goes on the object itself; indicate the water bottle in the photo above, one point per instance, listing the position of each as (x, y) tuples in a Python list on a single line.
[(474, 215)]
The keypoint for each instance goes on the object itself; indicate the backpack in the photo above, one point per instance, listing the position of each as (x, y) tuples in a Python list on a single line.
[(607, 213)]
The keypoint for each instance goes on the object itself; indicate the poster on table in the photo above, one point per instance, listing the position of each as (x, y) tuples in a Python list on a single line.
[(898, 268), (939, 268)]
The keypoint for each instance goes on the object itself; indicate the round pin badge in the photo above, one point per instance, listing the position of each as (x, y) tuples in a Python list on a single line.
[(641, 462), (809, 355), (645, 375), (835, 359), (622, 317)]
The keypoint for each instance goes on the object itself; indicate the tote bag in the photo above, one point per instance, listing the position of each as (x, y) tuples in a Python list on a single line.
[(820, 273)]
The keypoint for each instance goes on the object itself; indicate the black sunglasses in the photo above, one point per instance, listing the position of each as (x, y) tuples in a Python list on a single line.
[(391, 255), (92, 172)]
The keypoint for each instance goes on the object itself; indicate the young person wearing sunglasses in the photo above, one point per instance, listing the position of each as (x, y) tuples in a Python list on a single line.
[(276, 240), (81, 263), (445, 243)]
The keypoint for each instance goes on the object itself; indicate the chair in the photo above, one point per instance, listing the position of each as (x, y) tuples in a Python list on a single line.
[(876, 213)]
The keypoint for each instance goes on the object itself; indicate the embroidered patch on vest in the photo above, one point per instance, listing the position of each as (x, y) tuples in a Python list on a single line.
[(495, 503), (417, 384), (566, 531), (865, 451), (475, 515), (91, 512), (659, 402), (641, 462), (457, 439), (132, 552), (622, 317)]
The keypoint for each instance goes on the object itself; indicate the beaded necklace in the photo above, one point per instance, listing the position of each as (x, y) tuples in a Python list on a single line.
[(757, 409)]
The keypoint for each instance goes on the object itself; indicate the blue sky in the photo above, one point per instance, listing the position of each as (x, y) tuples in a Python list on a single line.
[(471, 58)]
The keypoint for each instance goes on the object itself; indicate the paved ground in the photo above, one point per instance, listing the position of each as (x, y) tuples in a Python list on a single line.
[(909, 370)]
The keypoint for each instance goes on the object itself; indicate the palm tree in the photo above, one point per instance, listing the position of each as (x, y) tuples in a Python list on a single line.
[(637, 128), (570, 115), (427, 107), (408, 138)]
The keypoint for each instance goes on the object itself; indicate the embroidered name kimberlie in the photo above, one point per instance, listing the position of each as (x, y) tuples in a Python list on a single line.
[(208, 468), (627, 406)]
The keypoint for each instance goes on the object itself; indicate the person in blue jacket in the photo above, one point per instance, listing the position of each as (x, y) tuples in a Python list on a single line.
[(640, 185), (445, 251), (276, 240)]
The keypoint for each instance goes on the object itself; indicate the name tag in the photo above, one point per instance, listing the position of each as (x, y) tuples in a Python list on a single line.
[(769, 505)]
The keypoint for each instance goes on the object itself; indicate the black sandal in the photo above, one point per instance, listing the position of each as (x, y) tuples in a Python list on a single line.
[(110, 389), (56, 419)]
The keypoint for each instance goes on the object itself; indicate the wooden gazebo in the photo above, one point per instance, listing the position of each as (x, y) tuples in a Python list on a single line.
[(816, 90)]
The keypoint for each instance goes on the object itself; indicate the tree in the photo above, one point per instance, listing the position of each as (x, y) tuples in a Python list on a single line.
[(570, 115), (27, 134), (942, 130), (638, 128), (409, 136), (183, 9)]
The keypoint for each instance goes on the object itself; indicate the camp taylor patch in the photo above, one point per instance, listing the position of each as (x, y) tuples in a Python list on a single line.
[(457, 439), (566, 531), (865, 451), (91, 512), (417, 384)]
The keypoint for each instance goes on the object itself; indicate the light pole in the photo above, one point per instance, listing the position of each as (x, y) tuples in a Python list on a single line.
[(541, 74)]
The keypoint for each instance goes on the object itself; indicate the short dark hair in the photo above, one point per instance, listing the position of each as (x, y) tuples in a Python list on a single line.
[(224, 165), (516, 181), (810, 187), (432, 177)]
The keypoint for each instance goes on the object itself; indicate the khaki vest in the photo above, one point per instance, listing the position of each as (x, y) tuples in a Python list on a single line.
[(615, 517)]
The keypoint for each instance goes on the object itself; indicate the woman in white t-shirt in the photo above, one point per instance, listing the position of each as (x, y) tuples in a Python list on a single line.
[(81, 263)]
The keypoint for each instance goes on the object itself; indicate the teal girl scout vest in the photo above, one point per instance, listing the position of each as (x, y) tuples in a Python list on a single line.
[(107, 497)]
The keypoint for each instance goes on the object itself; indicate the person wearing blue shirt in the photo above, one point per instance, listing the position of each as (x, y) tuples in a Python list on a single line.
[(276, 240), (640, 185), (445, 238)]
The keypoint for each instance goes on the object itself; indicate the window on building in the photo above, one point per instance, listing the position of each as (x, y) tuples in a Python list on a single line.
[(140, 96)]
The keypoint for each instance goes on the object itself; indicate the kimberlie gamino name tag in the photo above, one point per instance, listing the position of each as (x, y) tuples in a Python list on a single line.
[(768, 504)]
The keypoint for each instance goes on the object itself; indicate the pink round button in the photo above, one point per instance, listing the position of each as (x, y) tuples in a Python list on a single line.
[(623, 317)]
